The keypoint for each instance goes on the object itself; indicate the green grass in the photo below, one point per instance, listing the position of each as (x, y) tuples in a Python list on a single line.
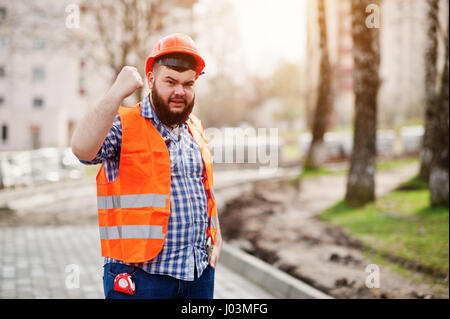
[(400, 225), (414, 183), (381, 166), (319, 172), (394, 163)]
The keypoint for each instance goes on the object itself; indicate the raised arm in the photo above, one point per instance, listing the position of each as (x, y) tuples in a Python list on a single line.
[(90, 133)]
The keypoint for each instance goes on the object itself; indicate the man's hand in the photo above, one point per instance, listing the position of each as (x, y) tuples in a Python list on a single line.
[(214, 258), (127, 82), (93, 128)]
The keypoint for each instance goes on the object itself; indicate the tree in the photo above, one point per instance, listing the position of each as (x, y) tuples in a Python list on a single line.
[(285, 86), (123, 32), (434, 154), (439, 138), (361, 178), (316, 152), (220, 98), (431, 57), (221, 102)]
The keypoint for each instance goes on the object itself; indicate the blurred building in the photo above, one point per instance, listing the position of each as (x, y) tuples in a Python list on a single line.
[(402, 48), (404, 41), (47, 81), (39, 81)]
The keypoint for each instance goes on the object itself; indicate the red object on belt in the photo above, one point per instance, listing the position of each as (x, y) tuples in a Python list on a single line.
[(124, 283)]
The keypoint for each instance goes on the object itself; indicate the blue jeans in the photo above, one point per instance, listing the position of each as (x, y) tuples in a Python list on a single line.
[(150, 286)]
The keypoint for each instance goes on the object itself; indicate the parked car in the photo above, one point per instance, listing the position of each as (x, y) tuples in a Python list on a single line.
[(45, 164), (14, 169)]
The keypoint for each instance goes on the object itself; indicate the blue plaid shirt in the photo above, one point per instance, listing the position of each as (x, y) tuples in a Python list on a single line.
[(184, 247)]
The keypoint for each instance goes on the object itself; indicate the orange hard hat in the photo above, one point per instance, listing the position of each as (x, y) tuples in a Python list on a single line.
[(176, 42)]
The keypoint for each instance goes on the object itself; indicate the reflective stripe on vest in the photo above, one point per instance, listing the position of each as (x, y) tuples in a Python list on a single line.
[(214, 222), (131, 201), (132, 232)]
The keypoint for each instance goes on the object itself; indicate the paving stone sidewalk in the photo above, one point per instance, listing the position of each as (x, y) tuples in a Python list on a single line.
[(64, 262), (45, 261)]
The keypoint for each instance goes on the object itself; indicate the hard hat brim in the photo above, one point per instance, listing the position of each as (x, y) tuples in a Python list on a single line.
[(198, 58)]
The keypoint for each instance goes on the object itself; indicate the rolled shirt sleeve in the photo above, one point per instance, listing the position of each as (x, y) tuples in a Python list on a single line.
[(109, 152)]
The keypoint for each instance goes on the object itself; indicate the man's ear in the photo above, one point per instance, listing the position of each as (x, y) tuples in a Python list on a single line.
[(150, 78)]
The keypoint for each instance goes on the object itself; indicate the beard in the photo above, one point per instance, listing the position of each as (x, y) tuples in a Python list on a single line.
[(164, 113)]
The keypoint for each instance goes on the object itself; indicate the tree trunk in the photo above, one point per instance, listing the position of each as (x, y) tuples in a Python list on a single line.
[(361, 178), (317, 153), (430, 86), (439, 135)]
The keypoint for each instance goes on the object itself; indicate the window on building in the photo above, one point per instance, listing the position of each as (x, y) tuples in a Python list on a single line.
[(2, 71), (38, 102), (2, 43), (2, 100), (38, 74), (39, 44), (2, 14), (35, 134), (82, 90), (4, 133), (39, 15)]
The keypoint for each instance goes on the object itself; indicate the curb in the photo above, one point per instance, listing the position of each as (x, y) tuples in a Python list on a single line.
[(268, 277)]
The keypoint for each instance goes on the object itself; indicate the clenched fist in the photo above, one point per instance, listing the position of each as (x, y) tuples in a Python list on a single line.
[(127, 82)]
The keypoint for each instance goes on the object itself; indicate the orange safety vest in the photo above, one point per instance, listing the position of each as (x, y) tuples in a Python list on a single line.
[(134, 209)]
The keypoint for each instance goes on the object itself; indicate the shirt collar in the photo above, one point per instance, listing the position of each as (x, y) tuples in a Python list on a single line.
[(147, 111)]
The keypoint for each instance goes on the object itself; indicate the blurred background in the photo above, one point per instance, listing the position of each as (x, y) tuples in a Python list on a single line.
[(358, 91)]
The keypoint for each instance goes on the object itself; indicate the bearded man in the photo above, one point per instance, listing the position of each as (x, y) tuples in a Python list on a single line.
[(158, 224)]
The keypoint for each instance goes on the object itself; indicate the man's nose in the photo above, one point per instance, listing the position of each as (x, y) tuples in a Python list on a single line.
[(179, 90)]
